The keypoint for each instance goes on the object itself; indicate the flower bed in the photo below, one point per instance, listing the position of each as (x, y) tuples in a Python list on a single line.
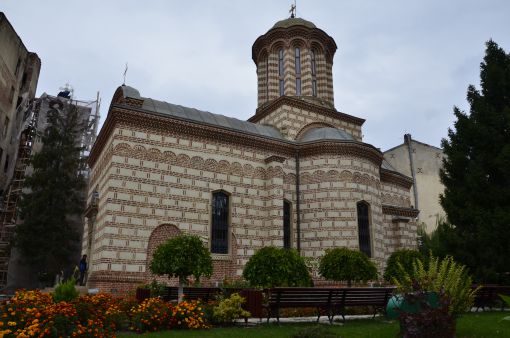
[(35, 314)]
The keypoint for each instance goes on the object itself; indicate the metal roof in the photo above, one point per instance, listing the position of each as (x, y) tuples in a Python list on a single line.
[(169, 109), (326, 133)]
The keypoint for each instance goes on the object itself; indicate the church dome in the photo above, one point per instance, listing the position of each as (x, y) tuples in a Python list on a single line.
[(293, 22)]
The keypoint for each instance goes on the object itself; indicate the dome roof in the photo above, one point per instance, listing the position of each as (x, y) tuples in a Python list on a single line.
[(293, 22), (326, 134)]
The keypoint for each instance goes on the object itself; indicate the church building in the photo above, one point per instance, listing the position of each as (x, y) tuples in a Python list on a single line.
[(297, 174)]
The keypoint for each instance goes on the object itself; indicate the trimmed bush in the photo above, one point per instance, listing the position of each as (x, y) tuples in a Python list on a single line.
[(342, 264), (405, 258), (271, 267), (229, 309)]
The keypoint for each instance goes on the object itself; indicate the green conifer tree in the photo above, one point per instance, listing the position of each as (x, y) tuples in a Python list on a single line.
[(476, 172), (53, 202)]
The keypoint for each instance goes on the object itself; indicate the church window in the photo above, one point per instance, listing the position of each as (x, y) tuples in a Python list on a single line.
[(219, 227), (286, 225), (267, 80), (363, 209), (314, 73), (297, 62), (280, 72)]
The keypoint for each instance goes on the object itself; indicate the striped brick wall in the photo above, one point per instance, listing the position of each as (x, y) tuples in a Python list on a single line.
[(291, 121), (324, 75)]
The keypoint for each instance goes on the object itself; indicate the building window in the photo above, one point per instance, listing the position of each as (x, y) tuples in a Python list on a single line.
[(18, 64), (6, 127), (6, 164), (219, 227), (314, 73), (297, 63), (280, 72), (267, 79), (286, 225), (11, 95), (364, 228)]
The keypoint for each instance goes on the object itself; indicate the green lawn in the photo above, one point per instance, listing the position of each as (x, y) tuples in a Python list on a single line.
[(485, 324)]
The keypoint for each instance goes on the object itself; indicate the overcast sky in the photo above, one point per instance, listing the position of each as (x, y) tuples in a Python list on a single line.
[(401, 65)]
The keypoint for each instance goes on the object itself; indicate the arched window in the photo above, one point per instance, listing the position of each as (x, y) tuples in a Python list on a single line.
[(286, 225), (314, 73), (280, 72), (364, 228), (267, 79), (219, 226), (297, 64)]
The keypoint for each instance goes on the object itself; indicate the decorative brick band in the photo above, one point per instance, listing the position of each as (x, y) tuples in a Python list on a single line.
[(398, 211), (396, 178)]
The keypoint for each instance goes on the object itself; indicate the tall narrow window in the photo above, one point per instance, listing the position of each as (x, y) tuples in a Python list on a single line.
[(280, 72), (219, 228), (286, 225), (364, 228), (267, 79), (297, 63), (314, 73)]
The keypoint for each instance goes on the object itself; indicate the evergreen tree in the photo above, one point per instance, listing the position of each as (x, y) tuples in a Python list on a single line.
[(53, 202), (476, 172)]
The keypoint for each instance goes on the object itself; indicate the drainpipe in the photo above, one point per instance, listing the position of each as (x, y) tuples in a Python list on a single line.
[(408, 141), (298, 200)]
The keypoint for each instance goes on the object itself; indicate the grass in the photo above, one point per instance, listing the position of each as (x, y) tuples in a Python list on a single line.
[(473, 325)]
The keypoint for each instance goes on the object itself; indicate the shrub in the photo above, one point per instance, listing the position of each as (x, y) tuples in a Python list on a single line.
[(157, 288), (342, 264), (189, 315), (445, 280), (152, 314), (400, 259), (66, 291), (271, 266), (229, 309), (444, 275)]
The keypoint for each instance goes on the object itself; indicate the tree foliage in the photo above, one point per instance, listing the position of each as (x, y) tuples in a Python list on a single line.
[(181, 257), (400, 262), (476, 171), (51, 208), (343, 264), (271, 267)]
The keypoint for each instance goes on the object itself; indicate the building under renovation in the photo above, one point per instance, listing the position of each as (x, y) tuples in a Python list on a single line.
[(13, 273)]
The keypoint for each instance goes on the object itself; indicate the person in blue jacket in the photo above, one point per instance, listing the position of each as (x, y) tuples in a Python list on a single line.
[(83, 269)]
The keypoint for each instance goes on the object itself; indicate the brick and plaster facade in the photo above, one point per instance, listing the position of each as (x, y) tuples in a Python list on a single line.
[(156, 166)]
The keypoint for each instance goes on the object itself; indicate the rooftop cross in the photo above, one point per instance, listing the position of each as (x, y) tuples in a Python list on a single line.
[(125, 72), (292, 10)]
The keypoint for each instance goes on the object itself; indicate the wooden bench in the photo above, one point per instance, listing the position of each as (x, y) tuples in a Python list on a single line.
[(330, 301), (319, 298), (191, 293), (488, 295), (377, 298)]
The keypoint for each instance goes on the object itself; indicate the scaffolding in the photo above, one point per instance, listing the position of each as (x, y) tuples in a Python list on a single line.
[(36, 123), (8, 211)]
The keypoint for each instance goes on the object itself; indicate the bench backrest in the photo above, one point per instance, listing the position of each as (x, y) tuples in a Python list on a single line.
[(300, 296), (366, 296)]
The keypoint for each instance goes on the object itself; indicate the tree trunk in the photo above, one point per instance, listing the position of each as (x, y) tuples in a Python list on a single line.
[(180, 291)]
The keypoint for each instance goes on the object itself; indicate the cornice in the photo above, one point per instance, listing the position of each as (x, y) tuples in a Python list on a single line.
[(341, 148), (399, 211), (295, 31), (389, 176), (265, 110)]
